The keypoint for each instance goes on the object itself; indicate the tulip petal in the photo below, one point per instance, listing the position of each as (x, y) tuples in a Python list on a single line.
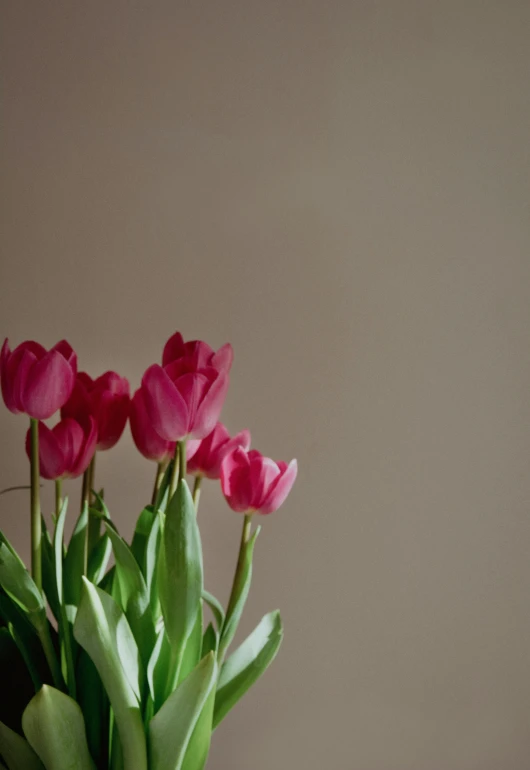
[(70, 436), (222, 360), (19, 370), (68, 353), (49, 385), (210, 407), (173, 349), (146, 439), (112, 417), (193, 387), (278, 493), (263, 474), (51, 457), (165, 406), (86, 451), (235, 480)]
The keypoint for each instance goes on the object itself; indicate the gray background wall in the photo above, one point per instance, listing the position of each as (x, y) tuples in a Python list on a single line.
[(340, 189)]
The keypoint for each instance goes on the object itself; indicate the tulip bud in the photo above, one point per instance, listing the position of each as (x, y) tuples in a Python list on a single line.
[(252, 483), (35, 381), (205, 457), (66, 450), (106, 399)]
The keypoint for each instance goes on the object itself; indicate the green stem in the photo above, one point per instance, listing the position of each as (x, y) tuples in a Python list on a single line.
[(58, 497), (197, 492), (84, 490), (94, 524), (174, 473), (49, 652), (245, 536), (182, 460), (158, 480), (36, 527)]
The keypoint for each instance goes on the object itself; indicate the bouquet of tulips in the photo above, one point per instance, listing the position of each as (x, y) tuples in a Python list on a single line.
[(119, 667)]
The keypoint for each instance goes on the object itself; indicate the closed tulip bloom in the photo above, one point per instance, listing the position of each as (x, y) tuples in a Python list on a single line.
[(252, 483), (65, 451), (205, 457), (183, 401), (147, 440), (35, 381), (107, 399), (198, 352)]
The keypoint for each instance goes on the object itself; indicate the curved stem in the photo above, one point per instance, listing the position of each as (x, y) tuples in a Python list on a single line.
[(58, 497), (36, 526), (158, 480), (245, 536), (94, 524)]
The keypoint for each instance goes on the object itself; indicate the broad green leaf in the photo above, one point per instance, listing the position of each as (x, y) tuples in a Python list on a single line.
[(95, 706), (157, 669), (17, 752), (99, 559), (209, 641), (53, 724), (102, 630), (242, 588), (49, 582), (247, 664), (180, 568), (16, 683), (65, 630), (193, 647), (163, 491), (133, 595), (199, 744), (74, 564), (216, 608), (141, 533), (18, 584), (171, 729), (152, 552)]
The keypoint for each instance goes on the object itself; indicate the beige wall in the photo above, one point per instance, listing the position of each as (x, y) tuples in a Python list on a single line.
[(341, 189)]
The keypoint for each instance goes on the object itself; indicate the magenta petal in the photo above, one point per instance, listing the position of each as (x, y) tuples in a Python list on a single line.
[(165, 406), (146, 439), (112, 417), (48, 386), (86, 450), (173, 349), (280, 490), (193, 387), (192, 447), (20, 370), (210, 407), (222, 360), (235, 480), (263, 475), (51, 457), (68, 353)]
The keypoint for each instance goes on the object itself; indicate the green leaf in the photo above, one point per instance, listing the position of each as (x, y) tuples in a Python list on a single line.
[(95, 706), (216, 608), (247, 664), (102, 630), (157, 669), (17, 752), (171, 730), (141, 534), (193, 647), (26, 638), (65, 630), (180, 568), (74, 564), (49, 582), (199, 745), (242, 588), (53, 724), (152, 553), (99, 559), (18, 584), (133, 595), (209, 641), (161, 498)]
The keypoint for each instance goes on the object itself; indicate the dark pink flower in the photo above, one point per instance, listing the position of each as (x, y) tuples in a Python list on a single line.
[(66, 450), (198, 352), (205, 457), (107, 399), (252, 483), (183, 401), (35, 381), (147, 440)]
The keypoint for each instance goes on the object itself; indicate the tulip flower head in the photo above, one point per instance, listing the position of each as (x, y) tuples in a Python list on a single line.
[(252, 483), (65, 451), (106, 399), (35, 381), (198, 352), (205, 457), (145, 437)]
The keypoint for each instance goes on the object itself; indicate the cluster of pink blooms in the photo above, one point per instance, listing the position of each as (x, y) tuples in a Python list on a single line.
[(178, 400)]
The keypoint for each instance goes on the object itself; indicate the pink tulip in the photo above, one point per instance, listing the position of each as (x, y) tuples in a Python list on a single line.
[(35, 381), (198, 352), (183, 401), (66, 450), (252, 483), (205, 457), (147, 440), (107, 399)]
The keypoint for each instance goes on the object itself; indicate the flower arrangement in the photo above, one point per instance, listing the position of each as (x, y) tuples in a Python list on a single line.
[(114, 667)]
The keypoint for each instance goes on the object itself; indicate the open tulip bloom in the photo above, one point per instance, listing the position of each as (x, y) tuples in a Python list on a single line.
[(113, 655)]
